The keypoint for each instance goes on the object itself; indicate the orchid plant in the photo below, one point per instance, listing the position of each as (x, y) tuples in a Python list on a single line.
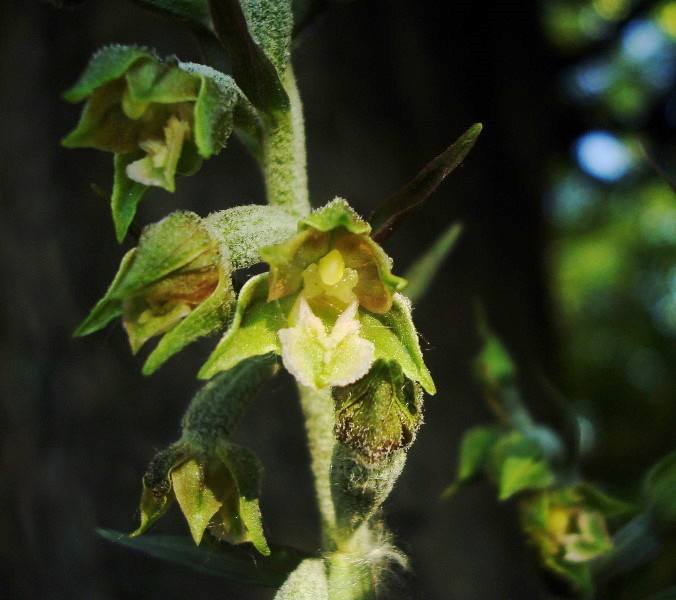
[(329, 309)]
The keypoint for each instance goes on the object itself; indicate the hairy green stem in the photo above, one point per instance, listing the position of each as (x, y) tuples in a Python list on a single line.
[(283, 160), (318, 411)]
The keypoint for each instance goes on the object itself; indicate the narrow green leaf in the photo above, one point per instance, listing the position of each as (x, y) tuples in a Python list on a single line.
[(252, 69), (270, 24), (389, 215), (235, 563), (422, 273), (127, 193), (193, 13), (307, 582)]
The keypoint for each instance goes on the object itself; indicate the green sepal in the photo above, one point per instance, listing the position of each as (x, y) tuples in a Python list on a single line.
[(247, 473), (334, 226), (109, 306), (337, 213), (208, 317), (220, 107), (308, 582), (271, 24), (194, 489), (165, 247), (516, 463), (246, 229), (178, 277), (254, 328), (127, 193), (426, 268), (396, 340), (158, 493), (474, 452), (107, 64), (379, 414)]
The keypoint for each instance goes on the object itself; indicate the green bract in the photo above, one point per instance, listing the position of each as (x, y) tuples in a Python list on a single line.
[(176, 282), (159, 118), (328, 307)]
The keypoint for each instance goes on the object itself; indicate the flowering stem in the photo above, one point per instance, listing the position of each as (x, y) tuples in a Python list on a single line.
[(283, 160), (318, 411)]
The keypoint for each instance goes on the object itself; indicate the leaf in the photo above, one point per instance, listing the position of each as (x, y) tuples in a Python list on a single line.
[(493, 366), (307, 582), (252, 69), (246, 229), (389, 215), (235, 563), (396, 340), (423, 272), (247, 473), (270, 24), (474, 450), (253, 330), (127, 193), (193, 13)]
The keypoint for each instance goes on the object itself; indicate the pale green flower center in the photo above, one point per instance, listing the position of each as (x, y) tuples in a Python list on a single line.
[(330, 277)]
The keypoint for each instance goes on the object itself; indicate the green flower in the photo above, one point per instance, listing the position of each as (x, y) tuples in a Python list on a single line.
[(329, 307), (567, 527), (159, 118), (176, 283), (217, 490)]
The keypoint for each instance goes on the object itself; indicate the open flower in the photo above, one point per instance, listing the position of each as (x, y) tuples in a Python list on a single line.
[(160, 118), (328, 306), (176, 282)]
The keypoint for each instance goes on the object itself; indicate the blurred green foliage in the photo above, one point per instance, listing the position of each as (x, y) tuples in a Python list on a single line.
[(612, 207)]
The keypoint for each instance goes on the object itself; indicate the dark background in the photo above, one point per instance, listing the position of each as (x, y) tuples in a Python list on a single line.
[(387, 85)]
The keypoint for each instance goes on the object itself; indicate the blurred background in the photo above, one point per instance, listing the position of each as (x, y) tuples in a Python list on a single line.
[(569, 242)]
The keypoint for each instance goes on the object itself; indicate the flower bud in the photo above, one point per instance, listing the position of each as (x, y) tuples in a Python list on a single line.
[(216, 483), (379, 414)]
